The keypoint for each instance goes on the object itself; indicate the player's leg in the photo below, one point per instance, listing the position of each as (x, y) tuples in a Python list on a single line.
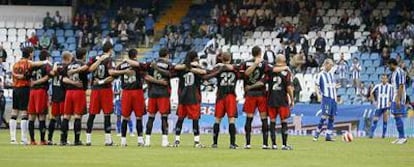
[(272, 128), (330, 128), (42, 128), (231, 111), (284, 114), (117, 110), (52, 122), (194, 114), (249, 108), (324, 108), (384, 124), (181, 113), (378, 113), (94, 108), (131, 128), (399, 112), (163, 106), (64, 128), (32, 118), (232, 132), (137, 104), (262, 106), (23, 106), (216, 131), (79, 110), (124, 125), (107, 104), (139, 128), (148, 131)]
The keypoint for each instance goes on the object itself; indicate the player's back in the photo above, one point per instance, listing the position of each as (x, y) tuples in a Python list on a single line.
[(278, 88), (77, 77), (226, 82), (131, 81), (189, 87), (327, 84), (21, 67), (101, 72), (257, 75), (157, 90), (38, 73)]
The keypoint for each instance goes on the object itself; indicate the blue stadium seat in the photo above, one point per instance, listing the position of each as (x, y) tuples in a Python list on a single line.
[(40, 32), (61, 39), (71, 40), (56, 53), (365, 56), (367, 63), (72, 47), (118, 48), (341, 91), (163, 41), (50, 32), (374, 56), (69, 33), (376, 63), (92, 53), (370, 70), (364, 77), (60, 33)]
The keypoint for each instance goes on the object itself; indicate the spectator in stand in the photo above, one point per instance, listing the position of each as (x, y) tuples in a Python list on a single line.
[(212, 28), (202, 30), (45, 42), (82, 40), (227, 33), (76, 21), (356, 73), (385, 56), (290, 51), (342, 70), (107, 39), (122, 31), (211, 51), (297, 89), (58, 20), (269, 55), (172, 43), (339, 99), (298, 61), (3, 54), (223, 20), (54, 42), (320, 44), (149, 30), (188, 42), (311, 62), (245, 22), (48, 21), (409, 53), (215, 12), (354, 22), (34, 40), (194, 28), (113, 28), (237, 33), (349, 37)]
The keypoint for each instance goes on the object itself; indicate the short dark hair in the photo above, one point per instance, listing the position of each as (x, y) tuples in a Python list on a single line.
[(132, 53), (392, 61), (80, 53), (256, 51), (26, 52), (163, 52), (107, 46), (44, 54), (190, 57)]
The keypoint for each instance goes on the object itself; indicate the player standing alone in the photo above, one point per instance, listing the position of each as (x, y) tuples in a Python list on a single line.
[(101, 95), (280, 99), (384, 92), (398, 101), (326, 86), (38, 98)]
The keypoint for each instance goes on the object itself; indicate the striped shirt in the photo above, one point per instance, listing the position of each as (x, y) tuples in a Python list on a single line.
[(356, 70), (384, 95), (117, 89), (342, 70), (397, 80), (327, 84)]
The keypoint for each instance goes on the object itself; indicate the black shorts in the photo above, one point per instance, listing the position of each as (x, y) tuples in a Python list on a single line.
[(21, 98), (149, 32)]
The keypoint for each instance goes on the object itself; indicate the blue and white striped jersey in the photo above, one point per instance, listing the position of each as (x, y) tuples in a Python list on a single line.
[(356, 70), (327, 84), (384, 95), (397, 80), (342, 70), (116, 86)]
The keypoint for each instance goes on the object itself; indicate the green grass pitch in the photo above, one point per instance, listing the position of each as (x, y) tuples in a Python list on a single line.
[(362, 152)]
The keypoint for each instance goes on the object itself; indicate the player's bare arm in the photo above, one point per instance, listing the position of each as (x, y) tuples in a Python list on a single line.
[(66, 80), (253, 67), (97, 62), (132, 63), (78, 70), (399, 96), (290, 90), (280, 68), (114, 72), (103, 81), (38, 63), (39, 81), (212, 73), (151, 79), (18, 76), (258, 84), (160, 70)]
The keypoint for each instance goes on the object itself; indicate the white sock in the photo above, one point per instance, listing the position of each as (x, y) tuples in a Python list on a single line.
[(140, 139), (12, 124), (123, 141), (108, 138), (196, 138), (88, 138), (177, 138), (24, 128), (164, 140), (148, 139)]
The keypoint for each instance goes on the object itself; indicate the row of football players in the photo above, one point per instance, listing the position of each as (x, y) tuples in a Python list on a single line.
[(70, 82)]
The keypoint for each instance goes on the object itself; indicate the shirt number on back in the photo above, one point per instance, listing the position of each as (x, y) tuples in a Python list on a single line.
[(129, 79), (254, 77), (227, 79), (100, 72), (189, 79), (276, 83)]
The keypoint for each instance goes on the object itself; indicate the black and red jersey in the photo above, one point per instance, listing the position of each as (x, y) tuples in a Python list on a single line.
[(101, 72), (157, 90), (77, 77), (189, 87), (226, 82), (38, 73), (278, 88), (58, 89), (257, 75), (136, 79)]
